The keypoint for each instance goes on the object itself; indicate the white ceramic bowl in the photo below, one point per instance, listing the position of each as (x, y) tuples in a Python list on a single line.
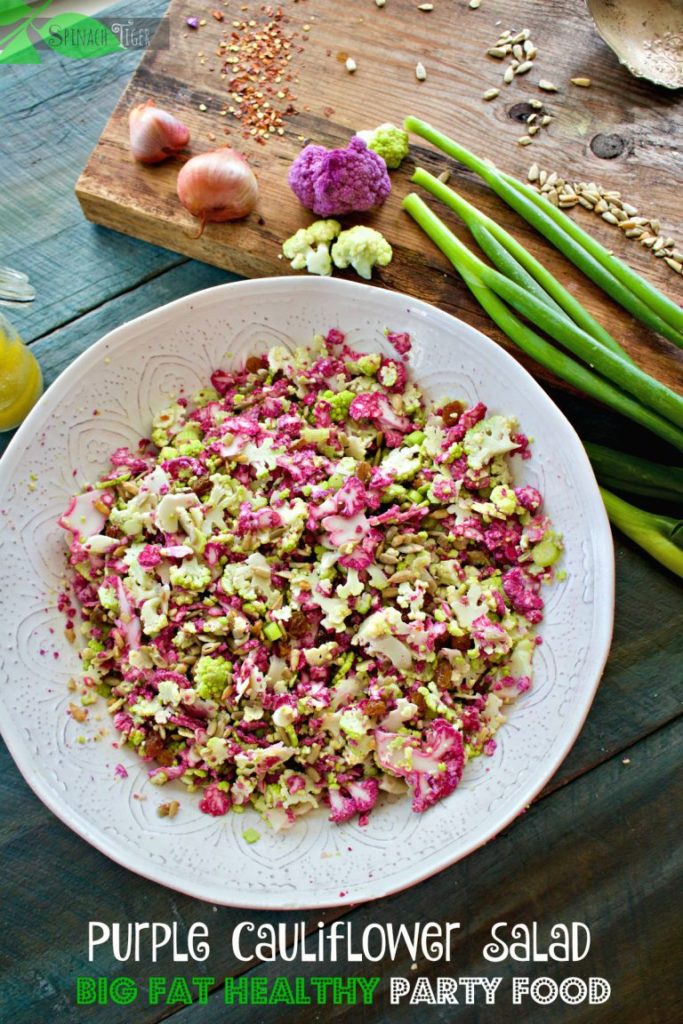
[(126, 377)]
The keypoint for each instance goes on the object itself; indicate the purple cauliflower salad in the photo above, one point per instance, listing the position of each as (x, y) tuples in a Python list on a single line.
[(311, 585)]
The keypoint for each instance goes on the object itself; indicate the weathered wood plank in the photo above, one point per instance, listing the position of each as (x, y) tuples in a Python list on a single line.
[(51, 116), (333, 103), (604, 851)]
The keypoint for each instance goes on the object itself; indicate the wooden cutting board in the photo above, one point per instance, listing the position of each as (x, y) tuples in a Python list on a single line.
[(621, 132)]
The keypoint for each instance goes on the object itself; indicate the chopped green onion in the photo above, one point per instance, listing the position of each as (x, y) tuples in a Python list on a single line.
[(272, 631), (660, 536), (630, 290)]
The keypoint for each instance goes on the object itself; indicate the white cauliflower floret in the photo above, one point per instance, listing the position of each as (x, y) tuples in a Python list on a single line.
[(362, 248), (353, 586), (309, 248), (379, 634), (402, 463), (153, 619), (226, 495), (134, 516), (249, 579), (488, 439), (168, 508), (190, 575)]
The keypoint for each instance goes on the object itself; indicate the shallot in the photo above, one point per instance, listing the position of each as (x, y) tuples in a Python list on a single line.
[(155, 134), (217, 186)]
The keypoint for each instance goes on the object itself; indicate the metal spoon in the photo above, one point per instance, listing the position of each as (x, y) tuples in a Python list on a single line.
[(646, 35)]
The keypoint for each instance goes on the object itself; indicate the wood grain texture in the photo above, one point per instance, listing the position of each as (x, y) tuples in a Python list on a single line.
[(51, 115), (386, 43)]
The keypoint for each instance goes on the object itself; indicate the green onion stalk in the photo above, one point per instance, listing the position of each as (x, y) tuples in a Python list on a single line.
[(617, 279), (515, 261), (649, 403), (622, 472), (660, 536)]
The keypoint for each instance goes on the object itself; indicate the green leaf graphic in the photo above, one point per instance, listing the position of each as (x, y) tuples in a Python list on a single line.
[(12, 11), (77, 36), (20, 50)]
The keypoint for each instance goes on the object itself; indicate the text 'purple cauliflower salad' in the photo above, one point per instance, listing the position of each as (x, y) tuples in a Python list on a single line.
[(311, 585)]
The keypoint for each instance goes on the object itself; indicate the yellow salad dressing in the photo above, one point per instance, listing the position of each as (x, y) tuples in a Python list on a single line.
[(21, 382)]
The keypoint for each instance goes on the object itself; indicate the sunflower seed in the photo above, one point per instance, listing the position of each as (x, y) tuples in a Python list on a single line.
[(498, 52), (529, 49), (532, 129), (533, 173), (523, 68), (587, 203), (536, 104), (444, 176), (630, 210), (522, 36), (633, 232), (583, 82), (546, 119), (425, 7), (525, 140), (518, 52), (420, 71), (542, 177), (490, 94), (656, 226), (474, 4), (509, 75), (547, 86), (649, 240), (659, 244), (674, 264), (609, 217), (350, 65)]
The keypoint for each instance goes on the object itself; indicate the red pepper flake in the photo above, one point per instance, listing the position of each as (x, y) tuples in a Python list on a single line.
[(255, 58), (218, 15)]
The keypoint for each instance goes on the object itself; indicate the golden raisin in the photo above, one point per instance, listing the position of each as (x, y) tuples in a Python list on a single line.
[(443, 673), (364, 472), (298, 624), (450, 414), (375, 708)]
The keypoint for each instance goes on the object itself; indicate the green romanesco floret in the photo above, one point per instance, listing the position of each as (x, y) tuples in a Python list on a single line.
[(339, 403), (309, 248), (190, 575), (390, 142), (211, 676), (362, 248)]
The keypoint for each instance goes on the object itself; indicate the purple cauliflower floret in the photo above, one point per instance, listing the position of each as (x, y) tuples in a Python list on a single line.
[(337, 181), (215, 802), (432, 770), (342, 808), (362, 797), (364, 793), (523, 593)]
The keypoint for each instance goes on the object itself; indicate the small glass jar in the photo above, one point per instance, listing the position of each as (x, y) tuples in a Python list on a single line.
[(21, 382)]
